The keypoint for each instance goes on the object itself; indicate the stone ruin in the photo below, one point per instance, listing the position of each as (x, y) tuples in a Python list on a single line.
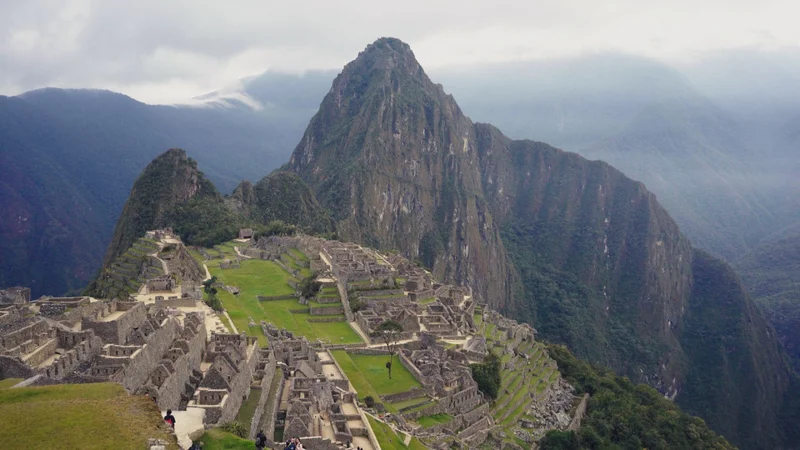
[(319, 406), (15, 296), (226, 383), (164, 283)]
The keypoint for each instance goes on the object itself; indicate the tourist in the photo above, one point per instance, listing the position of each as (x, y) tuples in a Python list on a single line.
[(261, 440), (170, 419)]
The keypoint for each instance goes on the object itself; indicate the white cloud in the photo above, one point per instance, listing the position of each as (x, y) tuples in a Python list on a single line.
[(157, 51)]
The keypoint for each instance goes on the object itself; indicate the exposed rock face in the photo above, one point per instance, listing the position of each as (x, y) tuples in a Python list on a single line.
[(170, 179), (573, 246), (395, 160), (281, 196)]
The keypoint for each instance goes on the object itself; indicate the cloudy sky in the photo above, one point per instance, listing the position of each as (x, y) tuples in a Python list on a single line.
[(171, 50)]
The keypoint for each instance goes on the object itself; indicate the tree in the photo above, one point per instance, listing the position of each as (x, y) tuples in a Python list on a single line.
[(309, 287), (487, 375), (211, 292), (389, 332), (369, 401)]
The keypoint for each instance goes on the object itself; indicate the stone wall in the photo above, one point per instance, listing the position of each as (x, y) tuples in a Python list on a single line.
[(17, 295), (186, 302), (138, 370), (579, 413), (240, 389), (13, 367), (171, 390), (42, 353), (82, 351), (116, 331), (266, 298), (401, 396), (326, 310), (266, 386)]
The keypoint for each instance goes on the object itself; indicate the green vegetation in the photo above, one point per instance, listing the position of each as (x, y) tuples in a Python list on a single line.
[(266, 278), (389, 332), (389, 440), (487, 375), (623, 415), (308, 287), (367, 375), (8, 382), (434, 419), (204, 221), (86, 416), (217, 439), (235, 428), (248, 408)]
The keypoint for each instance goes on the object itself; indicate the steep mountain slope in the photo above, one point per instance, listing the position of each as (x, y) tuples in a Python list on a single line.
[(394, 159), (771, 271), (704, 162), (607, 244), (575, 247), (281, 196)]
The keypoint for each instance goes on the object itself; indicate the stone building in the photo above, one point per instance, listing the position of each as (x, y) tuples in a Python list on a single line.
[(226, 383), (17, 295), (164, 283)]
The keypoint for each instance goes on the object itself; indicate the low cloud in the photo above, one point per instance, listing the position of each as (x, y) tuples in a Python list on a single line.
[(166, 51)]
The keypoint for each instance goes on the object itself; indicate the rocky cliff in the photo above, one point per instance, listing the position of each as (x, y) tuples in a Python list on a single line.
[(395, 160), (573, 246)]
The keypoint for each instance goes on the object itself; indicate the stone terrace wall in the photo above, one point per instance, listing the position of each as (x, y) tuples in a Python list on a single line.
[(13, 367), (327, 310), (138, 370), (176, 302), (240, 387), (266, 386), (85, 350), (169, 394)]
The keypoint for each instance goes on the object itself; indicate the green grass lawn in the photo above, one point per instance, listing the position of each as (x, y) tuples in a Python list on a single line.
[(435, 419), (8, 382), (369, 376), (259, 277), (410, 402), (85, 416), (248, 408), (216, 439), (298, 255), (388, 439)]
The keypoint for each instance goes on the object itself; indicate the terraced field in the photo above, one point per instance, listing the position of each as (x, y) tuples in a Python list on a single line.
[(533, 371), (256, 278), (369, 377)]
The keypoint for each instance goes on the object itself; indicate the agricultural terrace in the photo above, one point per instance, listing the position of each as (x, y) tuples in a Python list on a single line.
[(86, 416), (369, 377), (522, 385), (256, 278), (389, 439)]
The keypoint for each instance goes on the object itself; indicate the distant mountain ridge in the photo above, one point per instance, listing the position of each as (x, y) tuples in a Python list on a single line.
[(70, 156)]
